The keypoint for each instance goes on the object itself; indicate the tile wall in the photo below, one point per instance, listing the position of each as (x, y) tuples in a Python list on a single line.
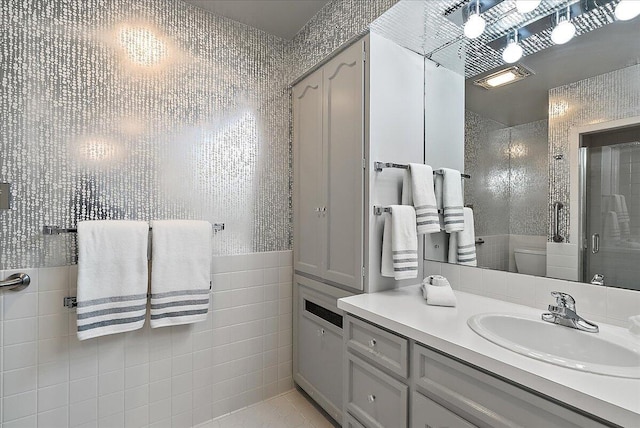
[(172, 376), (595, 303)]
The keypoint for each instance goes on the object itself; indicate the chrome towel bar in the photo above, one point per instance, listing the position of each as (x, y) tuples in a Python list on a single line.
[(55, 230), (379, 166), (16, 282)]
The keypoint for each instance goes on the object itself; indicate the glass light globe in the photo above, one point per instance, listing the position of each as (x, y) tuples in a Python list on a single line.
[(526, 6), (627, 9), (563, 32), (474, 26), (512, 53)]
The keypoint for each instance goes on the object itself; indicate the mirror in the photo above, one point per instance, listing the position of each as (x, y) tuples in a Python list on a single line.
[(548, 199)]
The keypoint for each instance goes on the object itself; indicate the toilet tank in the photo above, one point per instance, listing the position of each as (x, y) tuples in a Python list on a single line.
[(532, 261)]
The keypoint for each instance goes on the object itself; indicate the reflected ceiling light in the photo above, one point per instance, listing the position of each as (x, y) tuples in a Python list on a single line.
[(564, 29), (513, 51), (475, 24), (526, 6), (627, 9), (142, 45), (506, 76)]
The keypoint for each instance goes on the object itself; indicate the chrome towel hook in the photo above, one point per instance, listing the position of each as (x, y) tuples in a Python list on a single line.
[(16, 282)]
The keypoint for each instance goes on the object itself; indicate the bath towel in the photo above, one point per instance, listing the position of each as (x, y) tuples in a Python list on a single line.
[(620, 204), (437, 291), (452, 201), (180, 272), (418, 190), (112, 277), (462, 245), (400, 243)]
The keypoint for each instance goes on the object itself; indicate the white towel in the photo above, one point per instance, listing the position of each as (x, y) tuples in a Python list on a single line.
[(418, 190), (611, 227), (112, 277), (437, 291), (400, 243), (462, 245), (452, 200), (180, 272), (620, 207)]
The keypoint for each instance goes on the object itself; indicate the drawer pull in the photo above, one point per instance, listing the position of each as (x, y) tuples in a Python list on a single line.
[(321, 332), (372, 343), (371, 398)]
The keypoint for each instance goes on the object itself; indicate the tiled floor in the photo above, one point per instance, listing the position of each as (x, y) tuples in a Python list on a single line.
[(289, 410)]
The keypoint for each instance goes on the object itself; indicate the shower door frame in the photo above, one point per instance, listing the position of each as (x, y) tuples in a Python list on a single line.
[(578, 185)]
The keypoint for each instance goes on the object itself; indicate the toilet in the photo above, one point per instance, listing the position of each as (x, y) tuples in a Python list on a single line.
[(532, 261)]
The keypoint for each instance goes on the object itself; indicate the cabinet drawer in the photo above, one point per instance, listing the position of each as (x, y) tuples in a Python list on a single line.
[(386, 349), (375, 398), (428, 414), (484, 399)]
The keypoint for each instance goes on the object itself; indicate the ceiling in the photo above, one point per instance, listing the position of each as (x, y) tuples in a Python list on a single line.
[(283, 18), (606, 49)]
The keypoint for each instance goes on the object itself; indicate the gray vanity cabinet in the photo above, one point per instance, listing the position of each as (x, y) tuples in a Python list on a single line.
[(439, 390), (328, 145)]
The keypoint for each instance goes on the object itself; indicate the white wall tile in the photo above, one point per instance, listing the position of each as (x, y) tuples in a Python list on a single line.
[(52, 397), (19, 406), (19, 381), (137, 418), (19, 331), (54, 418), (19, 356)]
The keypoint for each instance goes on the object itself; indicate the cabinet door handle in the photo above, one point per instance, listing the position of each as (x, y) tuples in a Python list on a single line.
[(371, 398), (372, 343)]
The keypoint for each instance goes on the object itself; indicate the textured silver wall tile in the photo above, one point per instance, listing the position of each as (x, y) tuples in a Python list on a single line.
[(150, 109), (598, 99)]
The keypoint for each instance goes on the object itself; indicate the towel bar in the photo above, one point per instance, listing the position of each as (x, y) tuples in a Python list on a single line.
[(379, 166), (378, 210), (55, 230), (16, 282)]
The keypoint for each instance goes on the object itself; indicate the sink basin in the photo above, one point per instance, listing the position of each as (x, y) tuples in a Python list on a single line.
[(602, 353)]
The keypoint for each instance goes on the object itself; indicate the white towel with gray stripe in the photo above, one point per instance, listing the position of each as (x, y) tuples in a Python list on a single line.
[(452, 201), (418, 190), (180, 272), (112, 277), (462, 245), (400, 243)]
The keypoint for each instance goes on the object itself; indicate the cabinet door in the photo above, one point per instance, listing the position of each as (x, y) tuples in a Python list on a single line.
[(307, 171), (428, 414), (343, 157)]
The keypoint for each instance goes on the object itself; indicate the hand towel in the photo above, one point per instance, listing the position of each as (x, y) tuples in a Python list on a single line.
[(180, 272), (400, 243), (112, 277), (462, 245), (418, 190), (437, 291), (620, 203), (611, 227), (452, 200)]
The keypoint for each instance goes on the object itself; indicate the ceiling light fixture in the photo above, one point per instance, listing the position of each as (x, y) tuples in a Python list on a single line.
[(526, 6), (564, 29), (503, 77), (627, 9), (513, 51), (475, 24)]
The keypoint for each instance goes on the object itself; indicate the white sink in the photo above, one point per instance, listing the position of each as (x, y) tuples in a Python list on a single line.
[(603, 353)]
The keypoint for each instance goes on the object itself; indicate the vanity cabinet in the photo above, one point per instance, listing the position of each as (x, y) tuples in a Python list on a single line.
[(328, 146), (439, 390)]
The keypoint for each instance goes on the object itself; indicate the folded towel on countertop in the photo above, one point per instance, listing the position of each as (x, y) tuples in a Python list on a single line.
[(180, 272), (400, 243), (418, 190), (437, 291), (112, 277)]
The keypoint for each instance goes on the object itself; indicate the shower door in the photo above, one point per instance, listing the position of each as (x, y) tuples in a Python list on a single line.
[(611, 210)]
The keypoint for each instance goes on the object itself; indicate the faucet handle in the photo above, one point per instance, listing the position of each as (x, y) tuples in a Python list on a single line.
[(564, 300)]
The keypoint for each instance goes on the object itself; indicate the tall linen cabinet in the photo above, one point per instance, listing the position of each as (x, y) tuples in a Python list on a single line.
[(363, 104)]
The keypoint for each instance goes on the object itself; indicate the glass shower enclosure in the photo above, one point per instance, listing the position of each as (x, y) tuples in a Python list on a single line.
[(611, 207)]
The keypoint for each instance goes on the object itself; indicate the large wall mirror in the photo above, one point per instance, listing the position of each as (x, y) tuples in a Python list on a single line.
[(552, 130)]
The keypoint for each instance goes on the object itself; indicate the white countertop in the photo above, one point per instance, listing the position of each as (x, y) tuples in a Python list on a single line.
[(407, 313)]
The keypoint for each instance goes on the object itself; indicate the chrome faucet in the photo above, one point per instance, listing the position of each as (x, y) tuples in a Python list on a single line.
[(564, 313), (598, 279)]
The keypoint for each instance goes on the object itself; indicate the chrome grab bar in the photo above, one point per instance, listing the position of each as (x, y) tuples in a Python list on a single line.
[(16, 282), (557, 206)]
